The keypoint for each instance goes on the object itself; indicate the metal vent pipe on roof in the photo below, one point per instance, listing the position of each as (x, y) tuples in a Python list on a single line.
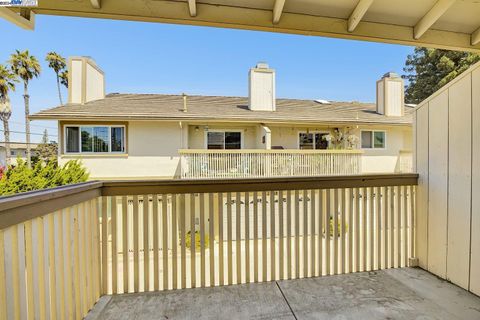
[(184, 102)]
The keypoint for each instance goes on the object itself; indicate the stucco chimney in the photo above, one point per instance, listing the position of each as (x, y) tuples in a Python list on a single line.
[(261, 88), (86, 81), (390, 95)]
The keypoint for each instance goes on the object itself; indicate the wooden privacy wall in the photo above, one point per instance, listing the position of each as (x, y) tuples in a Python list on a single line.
[(447, 133), (172, 241), (50, 265)]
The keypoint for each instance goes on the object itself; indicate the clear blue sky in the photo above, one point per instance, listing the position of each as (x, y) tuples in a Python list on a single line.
[(159, 58)]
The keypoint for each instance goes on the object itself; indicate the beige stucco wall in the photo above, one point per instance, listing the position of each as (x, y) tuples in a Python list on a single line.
[(152, 153)]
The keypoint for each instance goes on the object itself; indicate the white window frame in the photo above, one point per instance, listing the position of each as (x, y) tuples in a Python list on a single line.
[(373, 143), (312, 132), (109, 126), (241, 131)]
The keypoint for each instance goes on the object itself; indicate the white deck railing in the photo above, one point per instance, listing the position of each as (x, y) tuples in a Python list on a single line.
[(218, 164)]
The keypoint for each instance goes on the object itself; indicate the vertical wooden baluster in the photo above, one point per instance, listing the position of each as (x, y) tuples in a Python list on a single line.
[(113, 225), (97, 246), (255, 237), (52, 269), (3, 286), (156, 232), (312, 232), (328, 224), (364, 228), (76, 264), (357, 229), (385, 215), (305, 233), (125, 230), (220, 240), (343, 230), (320, 219), (378, 220), (183, 239), (281, 236), (297, 234), (146, 247), (29, 269), (289, 234), (238, 237), (405, 226), (91, 253), (350, 229), (39, 263), (136, 251), (104, 246), (392, 226), (165, 241), (193, 255), (15, 272), (68, 260), (272, 236), (264, 236), (202, 240), (247, 237), (211, 226), (371, 230), (83, 258), (335, 231), (56, 273), (174, 233), (412, 221), (229, 239), (398, 233)]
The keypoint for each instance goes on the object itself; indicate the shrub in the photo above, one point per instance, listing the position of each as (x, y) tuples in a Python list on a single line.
[(42, 175), (188, 241), (339, 227)]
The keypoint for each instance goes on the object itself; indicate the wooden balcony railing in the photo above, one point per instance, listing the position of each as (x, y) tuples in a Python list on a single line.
[(257, 163), (61, 249)]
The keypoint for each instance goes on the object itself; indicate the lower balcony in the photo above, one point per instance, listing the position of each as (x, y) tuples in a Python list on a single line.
[(126, 249)]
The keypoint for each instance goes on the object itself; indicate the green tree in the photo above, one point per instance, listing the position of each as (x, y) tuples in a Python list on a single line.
[(64, 78), (427, 70), (43, 175), (57, 63), (26, 67), (47, 150), (7, 83)]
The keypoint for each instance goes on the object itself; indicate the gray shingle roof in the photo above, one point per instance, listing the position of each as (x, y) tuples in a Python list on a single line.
[(218, 108)]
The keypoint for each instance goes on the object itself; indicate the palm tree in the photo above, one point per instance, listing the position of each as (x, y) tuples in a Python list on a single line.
[(26, 67), (7, 83), (58, 64)]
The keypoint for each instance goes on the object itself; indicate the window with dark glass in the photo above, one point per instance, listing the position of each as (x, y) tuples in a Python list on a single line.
[(94, 139), (224, 140), (310, 141), (373, 139)]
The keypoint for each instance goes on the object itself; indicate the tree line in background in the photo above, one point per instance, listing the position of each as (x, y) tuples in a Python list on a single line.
[(427, 70), (23, 67)]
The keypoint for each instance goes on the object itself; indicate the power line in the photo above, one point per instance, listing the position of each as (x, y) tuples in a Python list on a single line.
[(33, 133), (34, 125)]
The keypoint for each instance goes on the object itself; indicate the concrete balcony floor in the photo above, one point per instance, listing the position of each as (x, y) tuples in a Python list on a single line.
[(407, 293)]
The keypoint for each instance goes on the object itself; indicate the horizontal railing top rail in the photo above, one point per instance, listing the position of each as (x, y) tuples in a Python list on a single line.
[(26, 206), (267, 151)]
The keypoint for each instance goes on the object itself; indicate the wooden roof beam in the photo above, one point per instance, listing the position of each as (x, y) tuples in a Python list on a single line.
[(358, 13), (431, 17), (192, 8), (277, 10), (97, 4), (25, 19)]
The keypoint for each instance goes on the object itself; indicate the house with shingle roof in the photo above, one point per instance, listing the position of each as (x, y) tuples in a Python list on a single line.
[(192, 136)]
